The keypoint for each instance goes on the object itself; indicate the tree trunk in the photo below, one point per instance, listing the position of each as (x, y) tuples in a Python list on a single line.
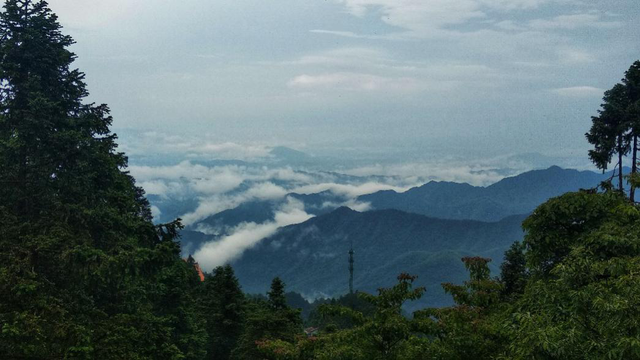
[(634, 166), (620, 186)]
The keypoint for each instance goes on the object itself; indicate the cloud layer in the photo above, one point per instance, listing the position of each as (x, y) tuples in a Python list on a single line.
[(247, 235)]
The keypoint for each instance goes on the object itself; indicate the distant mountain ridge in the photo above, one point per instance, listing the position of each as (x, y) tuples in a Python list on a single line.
[(515, 195), (311, 257), (423, 231), (519, 194)]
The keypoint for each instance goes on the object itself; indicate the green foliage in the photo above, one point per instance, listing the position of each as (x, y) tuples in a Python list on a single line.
[(330, 321), (276, 296), (573, 293), (385, 334), (556, 226), (467, 330), (587, 304), (616, 128), (267, 321), (84, 273), (222, 304), (609, 132), (513, 270)]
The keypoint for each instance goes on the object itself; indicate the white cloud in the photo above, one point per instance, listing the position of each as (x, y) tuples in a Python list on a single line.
[(266, 191), (347, 190), (155, 187), (432, 17), (247, 235), (155, 211), (349, 34), (479, 175), (200, 178), (230, 150), (288, 174), (509, 5), (200, 146), (574, 21), (359, 206), (354, 81), (218, 183), (419, 18), (214, 204), (372, 71), (579, 91)]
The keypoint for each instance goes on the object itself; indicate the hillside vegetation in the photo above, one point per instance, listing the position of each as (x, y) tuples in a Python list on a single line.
[(86, 274)]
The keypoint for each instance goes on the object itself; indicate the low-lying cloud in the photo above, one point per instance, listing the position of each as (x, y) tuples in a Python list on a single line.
[(247, 235), (214, 204), (349, 190)]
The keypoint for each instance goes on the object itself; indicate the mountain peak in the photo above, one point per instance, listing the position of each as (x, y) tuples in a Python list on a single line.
[(344, 210), (286, 153), (514, 195)]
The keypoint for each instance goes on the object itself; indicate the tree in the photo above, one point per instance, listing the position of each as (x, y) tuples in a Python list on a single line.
[(223, 306), (276, 296), (385, 333), (466, 330), (610, 131), (271, 320), (616, 129), (631, 82), (513, 271), (556, 226), (84, 273), (587, 305), (330, 322)]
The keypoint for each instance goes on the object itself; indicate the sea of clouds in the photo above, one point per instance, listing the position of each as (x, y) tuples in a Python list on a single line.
[(199, 186)]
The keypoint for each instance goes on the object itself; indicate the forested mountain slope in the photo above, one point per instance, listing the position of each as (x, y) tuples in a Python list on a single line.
[(312, 257)]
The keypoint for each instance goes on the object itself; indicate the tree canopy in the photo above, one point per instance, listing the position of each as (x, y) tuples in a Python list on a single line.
[(616, 128), (84, 273)]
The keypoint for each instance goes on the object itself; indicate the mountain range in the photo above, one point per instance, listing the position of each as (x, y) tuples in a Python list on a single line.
[(424, 231), (520, 194), (312, 257)]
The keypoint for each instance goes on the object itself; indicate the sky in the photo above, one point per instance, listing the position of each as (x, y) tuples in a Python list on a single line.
[(423, 76)]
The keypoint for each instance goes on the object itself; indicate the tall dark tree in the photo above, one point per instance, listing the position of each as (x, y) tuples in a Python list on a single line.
[(268, 320), (616, 129), (223, 306), (84, 273), (631, 82), (276, 295), (610, 133), (513, 270)]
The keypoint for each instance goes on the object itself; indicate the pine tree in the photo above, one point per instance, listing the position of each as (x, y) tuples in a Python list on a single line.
[(610, 131), (631, 82), (84, 273), (223, 306), (513, 270), (616, 129), (276, 295), (267, 321)]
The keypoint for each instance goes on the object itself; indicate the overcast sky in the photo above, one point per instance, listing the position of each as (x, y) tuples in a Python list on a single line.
[(508, 75)]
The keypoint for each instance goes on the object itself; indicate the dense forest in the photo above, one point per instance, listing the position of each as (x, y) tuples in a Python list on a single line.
[(86, 274)]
